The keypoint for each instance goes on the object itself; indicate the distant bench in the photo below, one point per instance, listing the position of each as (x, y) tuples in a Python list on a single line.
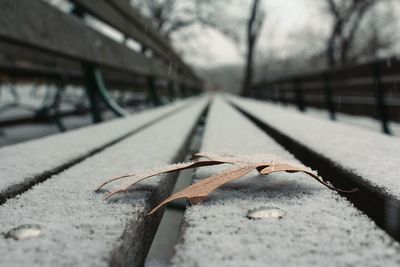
[(368, 89), (317, 226), (40, 44)]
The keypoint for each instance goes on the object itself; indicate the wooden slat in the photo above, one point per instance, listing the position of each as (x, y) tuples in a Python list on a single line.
[(319, 227), (145, 24), (17, 63), (78, 227), (25, 164), (36, 24), (123, 17), (365, 159), (387, 67), (104, 11)]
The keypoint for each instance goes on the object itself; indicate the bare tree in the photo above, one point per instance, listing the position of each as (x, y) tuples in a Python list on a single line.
[(347, 16), (254, 26), (170, 16), (378, 35)]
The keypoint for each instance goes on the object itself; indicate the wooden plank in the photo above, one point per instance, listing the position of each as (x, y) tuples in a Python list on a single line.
[(123, 17), (104, 11), (22, 63), (37, 24), (17, 63), (26, 164), (77, 226), (352, 156), (318, 228), (388, 67), (145, 24)]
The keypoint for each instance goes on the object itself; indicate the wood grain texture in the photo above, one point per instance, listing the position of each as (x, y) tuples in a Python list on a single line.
[(38, 25), (318, 228), (78, 228), (125, 18)]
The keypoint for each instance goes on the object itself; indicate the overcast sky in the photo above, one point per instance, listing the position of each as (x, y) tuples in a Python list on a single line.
[(288, 24), (288, 29), (285, 18)]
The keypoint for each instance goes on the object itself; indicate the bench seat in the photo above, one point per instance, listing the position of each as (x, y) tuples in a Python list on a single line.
[(25, 164), (319, 227), (372, 156), (346, 155), (78, 228)]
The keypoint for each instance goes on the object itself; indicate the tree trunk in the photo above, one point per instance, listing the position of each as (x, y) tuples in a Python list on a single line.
[(331, 48), (330, 52), (344, 53), (248, 71), (252, 33)]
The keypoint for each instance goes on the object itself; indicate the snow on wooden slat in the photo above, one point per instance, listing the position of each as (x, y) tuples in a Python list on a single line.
[(24, 164), (319, 228), (78, 227), (372, 156)]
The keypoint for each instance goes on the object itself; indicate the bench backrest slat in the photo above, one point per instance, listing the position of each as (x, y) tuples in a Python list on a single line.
[(151, 33), (38, 25), (123, 17)]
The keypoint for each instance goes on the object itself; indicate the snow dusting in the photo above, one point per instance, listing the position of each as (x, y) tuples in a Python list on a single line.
[(22, 163), (373, 156), (77, 227), (319, 227)]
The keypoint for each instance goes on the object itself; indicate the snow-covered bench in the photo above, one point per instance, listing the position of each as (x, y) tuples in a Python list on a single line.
[(67, 223), (42, 44), (27, 164), (318, 227), (348, 156), (302, 223)]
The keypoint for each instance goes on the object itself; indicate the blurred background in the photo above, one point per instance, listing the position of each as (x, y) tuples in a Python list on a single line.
[(335, 59)]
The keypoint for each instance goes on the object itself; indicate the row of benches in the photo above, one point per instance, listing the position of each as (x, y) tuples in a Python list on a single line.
[(315, 225)]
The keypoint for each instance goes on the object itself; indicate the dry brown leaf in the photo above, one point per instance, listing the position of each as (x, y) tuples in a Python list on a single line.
[(263, 163)]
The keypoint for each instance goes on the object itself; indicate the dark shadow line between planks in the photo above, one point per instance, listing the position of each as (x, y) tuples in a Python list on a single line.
[(15, 190), (382, 208), (138, 237), (168, 231)]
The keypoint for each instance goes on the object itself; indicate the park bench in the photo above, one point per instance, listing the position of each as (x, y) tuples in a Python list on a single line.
[(41, 44), (368, 89), (51, 216), (318, 226)]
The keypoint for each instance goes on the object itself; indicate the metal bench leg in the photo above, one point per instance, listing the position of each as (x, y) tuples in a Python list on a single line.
[(328, 96), (14, 93), (105, 96), (299, 95), (380, 99), (171, 90), (153, 95), (56, 107), (92, 93), (97, 92), (182, 90), (50, 108)]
